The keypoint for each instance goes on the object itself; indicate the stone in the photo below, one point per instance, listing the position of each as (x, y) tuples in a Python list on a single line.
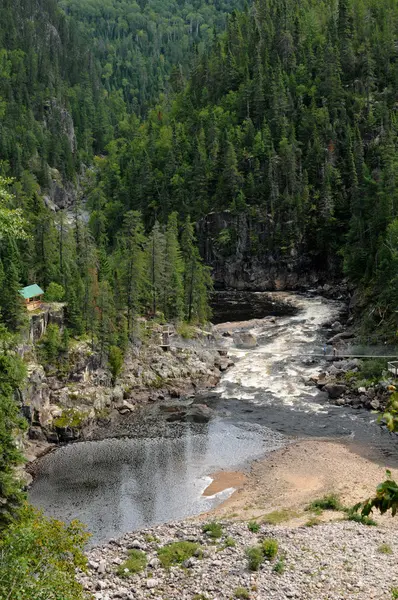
[(375, 404), (335, 390), (152, 583), (136, 544), (101, 567), (245, 340)]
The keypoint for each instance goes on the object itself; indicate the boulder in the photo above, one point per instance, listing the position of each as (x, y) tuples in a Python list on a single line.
[(245, 340), (335, 390), (337, 327)]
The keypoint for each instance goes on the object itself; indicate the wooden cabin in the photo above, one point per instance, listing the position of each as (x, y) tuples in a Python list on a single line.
[(32, 295)]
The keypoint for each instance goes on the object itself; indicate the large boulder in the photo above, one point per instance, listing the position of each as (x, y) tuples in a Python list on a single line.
[(245, 340), (335, 390)]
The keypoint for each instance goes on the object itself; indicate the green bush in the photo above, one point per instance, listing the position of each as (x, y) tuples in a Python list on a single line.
[(135, 563), (328, 502), (241, 592), (279, 566), (54, 293), (214, 530), (176, 553), (39, 556), (115, 360), (255, 557), (359, 518), (229, 542), (373, 368), (253, 526), (385, 549), (270, 548)]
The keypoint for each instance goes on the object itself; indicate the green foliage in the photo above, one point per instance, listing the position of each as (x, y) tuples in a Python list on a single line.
[(269, 548), (54, 293), (71, 417), (386, 499), (176, 553), (51, 345), (390, 416), (241, 592), (12, 373), (394, 593), (385, 549), (312, 522), (372, 369), (279, 566), (328, 502), (213, 529), (253, 526), (115, 360), (38, 558), (186, 331), (229, 542), (352, 515), (255, 557), (136, 562)]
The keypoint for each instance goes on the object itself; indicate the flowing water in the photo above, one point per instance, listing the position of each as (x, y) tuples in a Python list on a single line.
[(159, 471)]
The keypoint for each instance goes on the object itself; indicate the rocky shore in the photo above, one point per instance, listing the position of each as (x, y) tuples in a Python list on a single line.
[(66, 405), (336, 561)]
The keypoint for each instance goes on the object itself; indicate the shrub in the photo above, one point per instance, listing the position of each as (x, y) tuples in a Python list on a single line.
[(54, 293), (359, 518), (186, 331), (176, 553), (241, 592), (255, 557), (229, 542), (51, 345), (373, 368), (115, 360), (279, 566), (253, 526), (269, 548), (385, 549), (214, 530), (328, 502), (39, 557), (135, 563)]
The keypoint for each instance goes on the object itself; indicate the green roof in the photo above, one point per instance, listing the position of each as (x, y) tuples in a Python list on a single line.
[(31, 291)]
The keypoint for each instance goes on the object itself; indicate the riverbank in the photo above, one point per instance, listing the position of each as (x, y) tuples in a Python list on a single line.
[(280, 487), (336, 561)]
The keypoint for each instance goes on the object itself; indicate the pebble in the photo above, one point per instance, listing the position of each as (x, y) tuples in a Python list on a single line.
[(337, 561)]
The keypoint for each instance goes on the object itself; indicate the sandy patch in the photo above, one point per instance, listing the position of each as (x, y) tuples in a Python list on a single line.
[(224, 480), (291, 478)]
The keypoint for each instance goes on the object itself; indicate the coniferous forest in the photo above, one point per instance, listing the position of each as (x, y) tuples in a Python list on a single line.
[(124, 124)]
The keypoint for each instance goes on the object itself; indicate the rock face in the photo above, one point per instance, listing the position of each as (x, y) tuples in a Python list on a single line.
[(66, 406), (245, 340), (310, 561), (240, 259)]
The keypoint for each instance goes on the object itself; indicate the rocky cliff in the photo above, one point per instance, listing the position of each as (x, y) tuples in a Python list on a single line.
[(238, 248)]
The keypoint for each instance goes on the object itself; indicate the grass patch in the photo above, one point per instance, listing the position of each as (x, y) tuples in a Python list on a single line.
[(199, 597), (253, 526), (241, 592), (279, 516), (394, 593), (279, 566), (269, 548), (214, 530), (176, 553), (385, 549), (328, 502), (135, 563), (358, 518)]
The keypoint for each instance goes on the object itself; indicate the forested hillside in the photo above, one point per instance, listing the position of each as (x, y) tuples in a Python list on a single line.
[(146, 47)]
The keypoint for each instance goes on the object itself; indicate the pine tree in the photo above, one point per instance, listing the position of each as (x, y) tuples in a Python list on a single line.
[(174, 268)]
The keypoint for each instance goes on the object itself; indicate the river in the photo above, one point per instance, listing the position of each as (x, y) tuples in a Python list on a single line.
[(158, 472)]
